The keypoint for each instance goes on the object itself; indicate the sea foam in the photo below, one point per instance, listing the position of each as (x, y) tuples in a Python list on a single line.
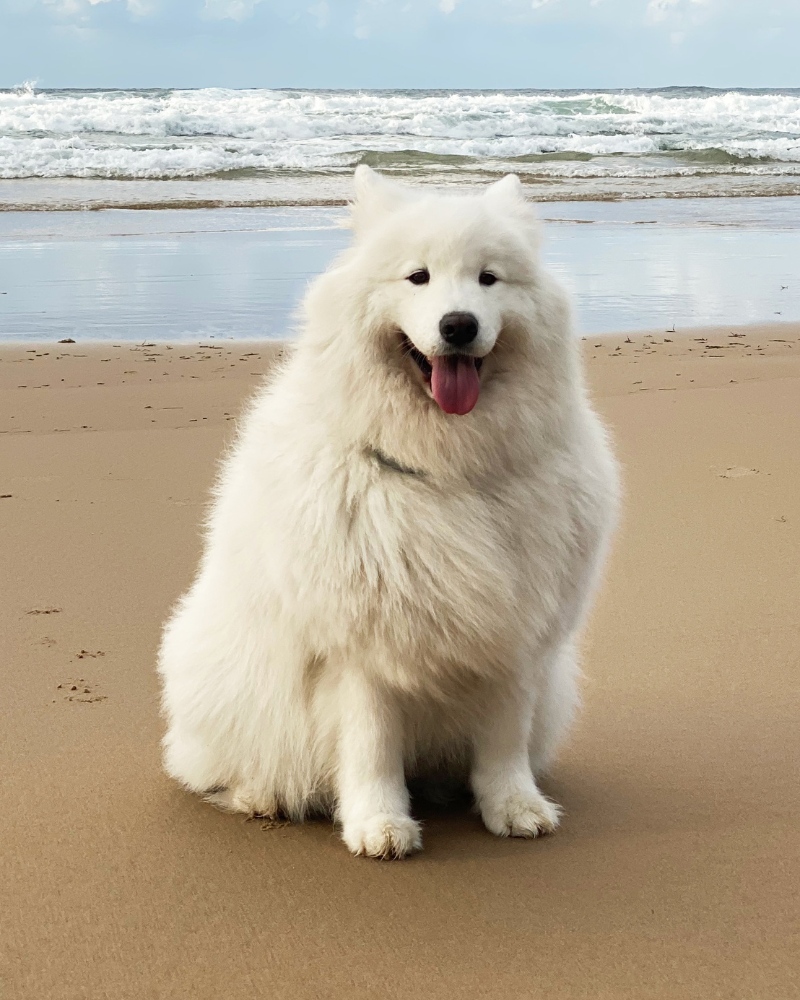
[(451, 136)]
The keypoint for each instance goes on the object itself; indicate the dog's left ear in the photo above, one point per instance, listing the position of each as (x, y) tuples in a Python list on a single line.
[(376, 197), (507, 191), (508, 195)]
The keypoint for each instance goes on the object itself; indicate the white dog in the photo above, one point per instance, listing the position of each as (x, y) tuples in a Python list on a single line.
[(404, 539)]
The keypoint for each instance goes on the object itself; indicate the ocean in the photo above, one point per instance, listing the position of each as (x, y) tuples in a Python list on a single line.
[(92, 148), (654, 203)]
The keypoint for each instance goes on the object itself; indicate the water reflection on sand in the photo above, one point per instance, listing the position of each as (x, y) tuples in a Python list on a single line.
[(240, 273)]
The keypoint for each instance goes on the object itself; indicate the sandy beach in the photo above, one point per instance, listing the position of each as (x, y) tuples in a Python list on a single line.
[(674, 873)]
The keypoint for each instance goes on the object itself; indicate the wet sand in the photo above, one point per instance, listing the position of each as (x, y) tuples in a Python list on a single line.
[(79, 193), (231, 274), (673, 874)]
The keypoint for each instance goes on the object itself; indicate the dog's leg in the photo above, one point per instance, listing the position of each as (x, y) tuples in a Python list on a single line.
[(555, 706), (373, 801), (505, 790)]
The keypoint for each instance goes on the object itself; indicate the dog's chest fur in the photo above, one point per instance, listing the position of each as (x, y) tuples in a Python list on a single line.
[(406, 568)]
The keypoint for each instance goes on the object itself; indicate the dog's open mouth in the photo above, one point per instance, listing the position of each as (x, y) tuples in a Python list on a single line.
[(453, 378)]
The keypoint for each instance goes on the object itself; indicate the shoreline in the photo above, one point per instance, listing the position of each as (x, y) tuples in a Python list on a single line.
[(764, 331), (65, 194), (667, 877)]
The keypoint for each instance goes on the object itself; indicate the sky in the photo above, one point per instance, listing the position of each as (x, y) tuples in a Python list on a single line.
[(583, 44)]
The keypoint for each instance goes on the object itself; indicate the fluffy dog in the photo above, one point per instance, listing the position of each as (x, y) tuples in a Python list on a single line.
[(404, 538)]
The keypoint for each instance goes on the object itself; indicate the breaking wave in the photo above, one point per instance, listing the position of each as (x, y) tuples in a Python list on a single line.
[(273, 135)]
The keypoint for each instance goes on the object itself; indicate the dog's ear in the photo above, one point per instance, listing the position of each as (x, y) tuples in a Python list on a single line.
[(376, 197), (507, 191), (508, 195)]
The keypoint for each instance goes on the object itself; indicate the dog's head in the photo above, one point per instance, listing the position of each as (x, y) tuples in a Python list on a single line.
[(444, 276)]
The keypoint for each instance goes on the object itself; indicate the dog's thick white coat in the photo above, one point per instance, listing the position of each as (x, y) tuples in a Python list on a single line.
[(389, 591)]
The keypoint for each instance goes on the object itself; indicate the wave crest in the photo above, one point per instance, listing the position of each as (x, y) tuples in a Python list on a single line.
[(164, 134)]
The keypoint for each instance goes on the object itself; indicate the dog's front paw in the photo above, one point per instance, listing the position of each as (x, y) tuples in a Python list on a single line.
[(521, 814), (385, 835)]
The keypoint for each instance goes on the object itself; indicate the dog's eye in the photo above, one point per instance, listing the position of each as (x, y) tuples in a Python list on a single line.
[(421, 277), (487, 278)]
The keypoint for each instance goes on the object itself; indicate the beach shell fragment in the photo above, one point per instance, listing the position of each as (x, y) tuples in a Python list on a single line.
[(737, 471)]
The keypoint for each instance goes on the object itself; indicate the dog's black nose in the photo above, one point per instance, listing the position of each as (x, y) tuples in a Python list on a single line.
[(458, 328)]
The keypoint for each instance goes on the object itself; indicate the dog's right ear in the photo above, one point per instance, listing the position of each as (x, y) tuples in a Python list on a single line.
[(376, 197)]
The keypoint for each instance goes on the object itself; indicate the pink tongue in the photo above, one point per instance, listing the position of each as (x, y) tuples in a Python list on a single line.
[(454, 383)]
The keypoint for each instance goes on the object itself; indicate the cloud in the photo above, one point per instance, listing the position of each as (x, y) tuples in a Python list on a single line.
[(373, 15), (81, 9), (399, 42), (377, 18), (321, 12), (69, 8), (228, 10), (661, 10)]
